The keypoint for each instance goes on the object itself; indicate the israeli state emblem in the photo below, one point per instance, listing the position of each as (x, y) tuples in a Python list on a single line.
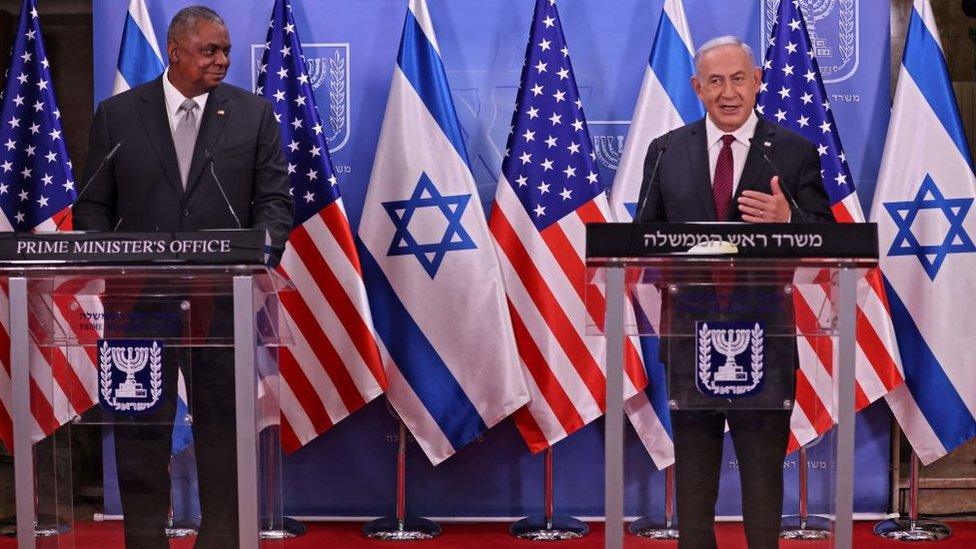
[(130, 375), (730, 359), (834, 27)]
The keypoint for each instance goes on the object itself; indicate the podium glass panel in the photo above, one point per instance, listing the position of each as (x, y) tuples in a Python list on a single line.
[(750, 348), (143, 351)]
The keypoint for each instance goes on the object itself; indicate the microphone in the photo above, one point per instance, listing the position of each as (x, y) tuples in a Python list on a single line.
[(105, 160), (782, 184), (213, 172), (664, 147)]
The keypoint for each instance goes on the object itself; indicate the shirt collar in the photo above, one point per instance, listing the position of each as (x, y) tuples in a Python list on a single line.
[(174, 98), (743, 135)]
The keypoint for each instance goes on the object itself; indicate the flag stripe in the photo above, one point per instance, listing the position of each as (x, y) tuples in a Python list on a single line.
[(535, 362), (334, 217), (323, 349), (422, 66), (349, 316), (531, 431), (931, 388), (298, 383), (671, 63), (420, 365), (561, 326), (925, 63), (138, 62)]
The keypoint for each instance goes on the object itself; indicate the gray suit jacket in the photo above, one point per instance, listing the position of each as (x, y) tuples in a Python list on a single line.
[(141, 190)]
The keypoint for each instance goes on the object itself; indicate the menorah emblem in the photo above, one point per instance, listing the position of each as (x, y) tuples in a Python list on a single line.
[(730, 343), (728, 378), (139, 390), (130, 360), (608, 149)]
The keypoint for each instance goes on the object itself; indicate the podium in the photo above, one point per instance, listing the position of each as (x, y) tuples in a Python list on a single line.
[(110, 330), (736, 307)]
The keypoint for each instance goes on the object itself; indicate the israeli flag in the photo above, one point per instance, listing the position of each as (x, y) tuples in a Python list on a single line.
[(666, 102), (923, 205), (139, 57), (434, 283), (140, 62)]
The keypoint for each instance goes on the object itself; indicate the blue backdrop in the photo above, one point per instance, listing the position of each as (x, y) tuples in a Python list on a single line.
[(350, 49)]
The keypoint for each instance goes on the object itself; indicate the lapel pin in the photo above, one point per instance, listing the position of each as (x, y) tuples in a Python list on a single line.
[(220, 112), (765, 143)]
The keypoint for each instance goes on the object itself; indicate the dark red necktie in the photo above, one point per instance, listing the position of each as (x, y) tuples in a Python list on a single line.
[(722, 186)]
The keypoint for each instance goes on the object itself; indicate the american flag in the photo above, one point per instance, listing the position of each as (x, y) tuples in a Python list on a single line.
[(793, 95), (549, 190), (334, 366), (36, 189)]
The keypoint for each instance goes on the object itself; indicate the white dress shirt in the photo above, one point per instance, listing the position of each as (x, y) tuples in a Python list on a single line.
[(174, 99), (740, 147)]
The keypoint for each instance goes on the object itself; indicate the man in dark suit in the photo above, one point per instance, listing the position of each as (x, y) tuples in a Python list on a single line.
[(714, 170), (170, 129)]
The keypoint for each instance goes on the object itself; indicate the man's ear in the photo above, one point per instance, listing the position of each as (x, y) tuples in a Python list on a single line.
[(697, 86), (173, 51), (757, 76)]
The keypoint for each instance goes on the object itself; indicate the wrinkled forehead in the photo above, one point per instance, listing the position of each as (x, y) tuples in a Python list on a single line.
[(725, 60)]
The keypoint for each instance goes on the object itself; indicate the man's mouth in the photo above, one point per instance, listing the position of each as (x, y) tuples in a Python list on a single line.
[(728, 108)]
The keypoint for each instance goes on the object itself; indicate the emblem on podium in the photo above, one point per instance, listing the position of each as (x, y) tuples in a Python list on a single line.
[(130, 375), (731, 358)]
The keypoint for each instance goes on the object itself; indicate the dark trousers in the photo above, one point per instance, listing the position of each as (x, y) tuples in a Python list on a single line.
[(142, 454), (760, 438)]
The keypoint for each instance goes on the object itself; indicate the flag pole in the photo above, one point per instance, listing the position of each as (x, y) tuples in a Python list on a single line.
[(804, 526), (913, 528), (649, 527), (401, 527), (549, 526)]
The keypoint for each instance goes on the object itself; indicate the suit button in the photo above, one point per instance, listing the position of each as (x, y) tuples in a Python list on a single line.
[(186, 212)]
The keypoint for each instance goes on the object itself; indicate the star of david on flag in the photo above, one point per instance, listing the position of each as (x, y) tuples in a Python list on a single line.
[(905, 214), (433, 276), (923, 207), (431, 252), (792, 94), (334, 366)]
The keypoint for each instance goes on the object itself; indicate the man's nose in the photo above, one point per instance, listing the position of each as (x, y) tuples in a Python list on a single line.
[(221, 58)]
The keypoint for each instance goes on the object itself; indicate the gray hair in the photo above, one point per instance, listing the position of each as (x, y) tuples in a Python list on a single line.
[(727, 40), (187, 18)]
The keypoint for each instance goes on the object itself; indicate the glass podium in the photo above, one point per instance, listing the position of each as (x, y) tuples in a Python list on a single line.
[(125, 347), (751, 324)]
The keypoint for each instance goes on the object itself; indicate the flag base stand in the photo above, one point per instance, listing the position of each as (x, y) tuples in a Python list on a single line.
[(404, 529), (176, 530), (552, 528), (805, 526), (401, 527), (281, 528), (549, 527), (912, 528), (650, 527), (44, 527)]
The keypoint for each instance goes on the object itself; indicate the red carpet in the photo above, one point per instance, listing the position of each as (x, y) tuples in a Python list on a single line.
[(108, 535)]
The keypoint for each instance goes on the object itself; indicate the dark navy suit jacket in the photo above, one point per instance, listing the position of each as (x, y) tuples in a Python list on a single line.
[(141, 190), (682, 188)]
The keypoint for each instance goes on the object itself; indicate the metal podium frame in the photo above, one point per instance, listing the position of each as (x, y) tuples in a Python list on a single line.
[(849, 273), (245, 402)]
